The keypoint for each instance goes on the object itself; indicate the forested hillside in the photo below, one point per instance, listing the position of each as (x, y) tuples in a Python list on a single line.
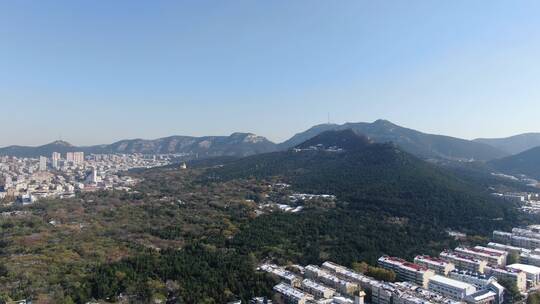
[(197, 235), (382, 178), (527, 163)]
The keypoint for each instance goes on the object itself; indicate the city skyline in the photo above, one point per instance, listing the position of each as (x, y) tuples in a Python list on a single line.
[(95, 74)]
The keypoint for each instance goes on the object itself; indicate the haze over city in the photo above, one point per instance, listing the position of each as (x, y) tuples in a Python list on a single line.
[(101, 72)]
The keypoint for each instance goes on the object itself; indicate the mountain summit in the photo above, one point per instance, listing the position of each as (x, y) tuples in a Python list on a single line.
[(371, 176), (60, 143), (420, 144), (347, 139)]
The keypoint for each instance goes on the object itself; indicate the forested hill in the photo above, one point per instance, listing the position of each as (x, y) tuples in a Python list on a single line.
[(513, 144), (377, 177), (421, 144), (527, 163), (234, 145)]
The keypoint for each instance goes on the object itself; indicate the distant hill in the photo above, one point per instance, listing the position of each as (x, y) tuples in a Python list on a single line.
[(513, 144), (347, 140), (237, 144), (375, 176), (420, 144), (527, 162), (46, 150), (415, 142)]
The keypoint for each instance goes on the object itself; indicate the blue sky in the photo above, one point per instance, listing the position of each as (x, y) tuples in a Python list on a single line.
[(98, 71)]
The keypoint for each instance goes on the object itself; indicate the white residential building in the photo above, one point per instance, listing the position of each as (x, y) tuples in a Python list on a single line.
[(55, 157), (407, 271), (343, 286), (42, 163), (285, 275), (508, 248), (530, 259), (492, 256), (438, 265), (449, 287), (476, 279), (463, 262), (517, 276), (291, 294), (531, 272), (317, 290)]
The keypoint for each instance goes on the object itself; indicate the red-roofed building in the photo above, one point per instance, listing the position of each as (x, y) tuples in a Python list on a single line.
[(407, 271), (438, 265), (494, 257), (464, 262)]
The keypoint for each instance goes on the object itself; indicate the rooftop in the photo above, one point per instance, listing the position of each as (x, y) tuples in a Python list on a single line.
[(451, 282), (432, 260), (291, 291), (525, 268)]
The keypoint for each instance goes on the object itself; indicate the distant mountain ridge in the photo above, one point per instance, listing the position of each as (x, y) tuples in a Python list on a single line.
[(373, 176), (513, 144), (527, 162), (237, 144), (420, 144)]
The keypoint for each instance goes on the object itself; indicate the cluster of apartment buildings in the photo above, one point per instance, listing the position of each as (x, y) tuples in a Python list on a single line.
[(440, 276), (296, 197), (25, 180), (529, 202), (333, 283), (469, 275)]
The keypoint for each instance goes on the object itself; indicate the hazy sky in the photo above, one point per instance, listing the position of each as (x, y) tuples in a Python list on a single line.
[(99, 71)]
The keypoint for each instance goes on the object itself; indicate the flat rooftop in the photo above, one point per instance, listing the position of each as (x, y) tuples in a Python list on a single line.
[(451, 282), (525, 268)]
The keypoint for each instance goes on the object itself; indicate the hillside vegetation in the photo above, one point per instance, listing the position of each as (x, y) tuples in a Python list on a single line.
[(197, 235), (527, 163), (380, 178)]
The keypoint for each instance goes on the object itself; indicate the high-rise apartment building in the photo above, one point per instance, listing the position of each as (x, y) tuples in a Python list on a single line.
[(55, 157), (76, 158), (42, 163)]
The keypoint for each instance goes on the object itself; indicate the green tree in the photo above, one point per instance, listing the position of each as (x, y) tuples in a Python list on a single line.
[(513, 258), (533, 298), (512, 292), (381, 274), (361, 267), (374, 272), (3, 270)]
